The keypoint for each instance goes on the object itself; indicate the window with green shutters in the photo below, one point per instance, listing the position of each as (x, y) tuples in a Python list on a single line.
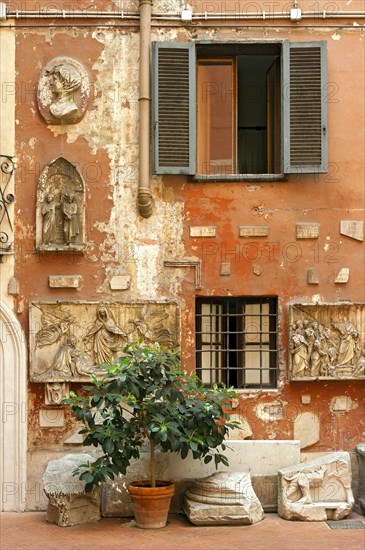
[(239, 109)]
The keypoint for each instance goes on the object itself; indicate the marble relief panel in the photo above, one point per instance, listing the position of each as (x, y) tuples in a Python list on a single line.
[(69, 340), (327, 341)]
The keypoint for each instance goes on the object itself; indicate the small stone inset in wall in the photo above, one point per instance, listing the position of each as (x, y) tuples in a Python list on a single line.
[(55, 392), (63, 91), (312, 277), (203, 231), (13, 287), (253, 231), (64, 281), (225, 269), (352, 229), (306, 429), (120, 282), (307, 230), (343, 276), (51, 418)]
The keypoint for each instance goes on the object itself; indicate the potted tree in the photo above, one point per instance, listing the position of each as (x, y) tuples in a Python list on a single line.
[(146, 395)]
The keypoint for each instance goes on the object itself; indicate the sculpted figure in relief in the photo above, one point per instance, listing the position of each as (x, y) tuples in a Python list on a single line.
[(302, 482), (71, 226), (65, 82), (49, 218), (107, 336), (348, 342)]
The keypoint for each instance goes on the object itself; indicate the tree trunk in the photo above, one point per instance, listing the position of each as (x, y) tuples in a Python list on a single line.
[(152, 464)]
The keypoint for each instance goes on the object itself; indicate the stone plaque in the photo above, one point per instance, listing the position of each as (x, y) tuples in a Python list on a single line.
[(64, 281), (327, 341), (352, 229), (63, 91), (253, 231), (203, 231), (343, 275), (70, 340), (307, 230)]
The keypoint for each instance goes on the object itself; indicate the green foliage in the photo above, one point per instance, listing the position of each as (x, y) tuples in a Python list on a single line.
[(146, 394)]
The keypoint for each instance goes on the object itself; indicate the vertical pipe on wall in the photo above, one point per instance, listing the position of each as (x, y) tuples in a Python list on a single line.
[(144, 199)]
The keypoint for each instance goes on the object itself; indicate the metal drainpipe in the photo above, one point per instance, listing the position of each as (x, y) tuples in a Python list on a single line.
[(144, 197)]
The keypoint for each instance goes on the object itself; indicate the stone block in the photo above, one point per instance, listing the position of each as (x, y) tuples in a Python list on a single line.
[(64, 281), (203, 231), (306, 429), (352, 229), (120, 282), (51, 418), (307, 230), (253, 231), (69, 504), (343, 275), (266, 489), (316, 490), (254, 456), (360, 453), (223, 499)]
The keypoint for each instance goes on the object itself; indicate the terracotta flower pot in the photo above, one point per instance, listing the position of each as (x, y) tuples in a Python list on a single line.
[(151, 504)]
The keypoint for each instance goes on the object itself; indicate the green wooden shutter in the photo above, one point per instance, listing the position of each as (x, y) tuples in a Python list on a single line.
[(173, 107), (305, 107)]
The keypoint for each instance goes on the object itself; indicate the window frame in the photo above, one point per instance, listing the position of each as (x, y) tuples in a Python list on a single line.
[(287, 99), (241, 344)]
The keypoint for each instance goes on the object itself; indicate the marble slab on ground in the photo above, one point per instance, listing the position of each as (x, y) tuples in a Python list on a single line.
[(316, 490), (223, 499)]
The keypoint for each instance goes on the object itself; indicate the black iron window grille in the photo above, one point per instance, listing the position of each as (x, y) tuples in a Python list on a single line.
[(236, 341)]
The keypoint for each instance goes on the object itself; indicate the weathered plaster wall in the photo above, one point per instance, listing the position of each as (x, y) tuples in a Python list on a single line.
[(7, 142), (104, 147)]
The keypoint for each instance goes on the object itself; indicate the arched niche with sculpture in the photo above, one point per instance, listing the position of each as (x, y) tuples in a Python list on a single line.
[(60, 209), (63, 91)]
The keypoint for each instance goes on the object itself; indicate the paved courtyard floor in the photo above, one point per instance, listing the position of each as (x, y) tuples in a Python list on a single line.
[(30, 531)]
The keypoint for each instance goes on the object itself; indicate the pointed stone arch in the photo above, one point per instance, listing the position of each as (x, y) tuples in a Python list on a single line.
[(60, 210), (13, 422)]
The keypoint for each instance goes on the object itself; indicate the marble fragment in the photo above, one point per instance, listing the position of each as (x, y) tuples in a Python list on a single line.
[(68, 502), (223, 499), (316, 490)]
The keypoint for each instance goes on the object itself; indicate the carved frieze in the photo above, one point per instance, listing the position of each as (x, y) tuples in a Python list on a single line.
[(63, 91), (60, 210), (69, 340), (327, 341)]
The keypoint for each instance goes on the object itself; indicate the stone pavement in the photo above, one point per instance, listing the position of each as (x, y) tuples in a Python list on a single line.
[(30, 531)]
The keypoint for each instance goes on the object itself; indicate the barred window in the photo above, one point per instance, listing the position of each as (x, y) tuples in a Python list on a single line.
[(236, 341)]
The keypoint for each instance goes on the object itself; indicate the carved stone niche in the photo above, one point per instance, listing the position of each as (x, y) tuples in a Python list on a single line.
[(60, 209), (63, 91), (327, 342), (69, 340)]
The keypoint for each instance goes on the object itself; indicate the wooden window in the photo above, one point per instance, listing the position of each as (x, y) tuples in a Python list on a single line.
[(239, 110)]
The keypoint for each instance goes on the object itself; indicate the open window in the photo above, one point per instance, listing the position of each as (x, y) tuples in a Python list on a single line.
[(239, 110)]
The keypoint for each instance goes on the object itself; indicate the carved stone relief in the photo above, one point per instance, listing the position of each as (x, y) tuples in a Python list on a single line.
[(60, 210), (69, 340), (316, 490), (327, 341), (63, 91)]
